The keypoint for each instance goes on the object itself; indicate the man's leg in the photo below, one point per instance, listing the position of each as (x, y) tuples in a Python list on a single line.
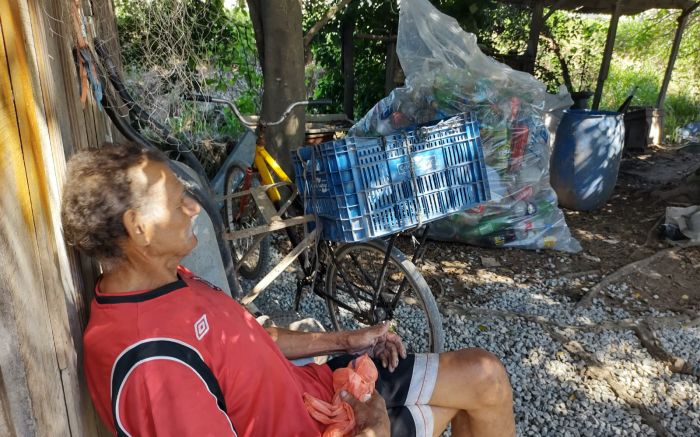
[(472, 390), (468, 388), (458, 418)]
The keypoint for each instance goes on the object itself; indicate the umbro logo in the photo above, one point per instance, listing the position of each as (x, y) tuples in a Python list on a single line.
[(201, 327)]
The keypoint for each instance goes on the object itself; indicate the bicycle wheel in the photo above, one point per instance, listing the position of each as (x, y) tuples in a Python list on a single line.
[(351, 282), (242, 213)]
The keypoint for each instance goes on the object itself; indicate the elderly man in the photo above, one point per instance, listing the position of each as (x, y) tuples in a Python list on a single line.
[(168, 354)]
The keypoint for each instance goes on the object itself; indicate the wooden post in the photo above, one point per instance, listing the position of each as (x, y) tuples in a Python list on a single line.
[(607, 55), (347, 53), (390, 66), (682, 22), (535, 28), (15, 401), (38, 347)]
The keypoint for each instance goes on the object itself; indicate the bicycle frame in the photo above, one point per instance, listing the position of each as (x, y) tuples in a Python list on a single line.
[(264, 162)]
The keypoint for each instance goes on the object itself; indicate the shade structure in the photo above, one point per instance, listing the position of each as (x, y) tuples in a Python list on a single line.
[(627, 7)]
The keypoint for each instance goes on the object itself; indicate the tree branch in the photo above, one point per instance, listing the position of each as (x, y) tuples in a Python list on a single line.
[(324, 20), (375, 37), (547, 36), (651, 343), (626, 270)]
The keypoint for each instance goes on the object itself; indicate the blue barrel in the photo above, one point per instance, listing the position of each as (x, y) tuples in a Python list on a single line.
[(586, 158)]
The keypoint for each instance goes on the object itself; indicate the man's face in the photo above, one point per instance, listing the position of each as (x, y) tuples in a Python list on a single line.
[(167, 211)]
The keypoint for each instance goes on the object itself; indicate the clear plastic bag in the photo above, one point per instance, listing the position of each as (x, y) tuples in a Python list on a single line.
[(446, 73)]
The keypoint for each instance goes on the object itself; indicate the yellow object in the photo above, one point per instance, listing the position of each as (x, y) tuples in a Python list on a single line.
[(263, 163)]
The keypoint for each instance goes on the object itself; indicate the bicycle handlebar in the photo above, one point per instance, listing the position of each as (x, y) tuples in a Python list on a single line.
[(289, 109), (230, 104), (247, 121)]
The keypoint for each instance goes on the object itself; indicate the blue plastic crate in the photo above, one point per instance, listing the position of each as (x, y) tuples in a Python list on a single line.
[(363, 188)]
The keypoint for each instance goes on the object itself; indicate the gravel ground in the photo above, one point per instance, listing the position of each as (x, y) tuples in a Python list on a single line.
[(558, 391)]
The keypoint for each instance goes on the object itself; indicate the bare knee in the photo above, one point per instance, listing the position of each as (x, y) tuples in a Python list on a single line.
[(487, 375)]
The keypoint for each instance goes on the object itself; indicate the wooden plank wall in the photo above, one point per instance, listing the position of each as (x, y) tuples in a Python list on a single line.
[(44, 288)]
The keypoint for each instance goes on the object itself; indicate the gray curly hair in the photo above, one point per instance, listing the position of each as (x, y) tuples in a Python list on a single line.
[(96, 195)]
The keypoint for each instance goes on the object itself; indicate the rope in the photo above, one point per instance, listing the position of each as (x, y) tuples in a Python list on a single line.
[(81, 44)]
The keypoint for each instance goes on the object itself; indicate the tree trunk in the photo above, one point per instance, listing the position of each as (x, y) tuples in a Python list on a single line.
[(535, 28), (279, 37), (607, 54)]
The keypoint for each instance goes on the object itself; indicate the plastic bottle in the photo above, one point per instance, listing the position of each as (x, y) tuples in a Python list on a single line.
[(489, 226), (483, 90), (518, 144), (530, 226), (384, 127), (523, 229), (499, 238), (523, 193), (399, 120), (549, 242), (496, 147), (522, 208), (383, 109), (486, 227), (514, 107)]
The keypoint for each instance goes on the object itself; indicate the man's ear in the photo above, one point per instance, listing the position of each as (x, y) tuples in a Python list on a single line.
[(136, 228)]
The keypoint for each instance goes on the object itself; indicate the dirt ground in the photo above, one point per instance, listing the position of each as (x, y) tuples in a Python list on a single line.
[(623, 231)]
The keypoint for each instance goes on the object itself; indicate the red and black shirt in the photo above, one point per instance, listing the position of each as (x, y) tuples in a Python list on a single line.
[(185, 359)]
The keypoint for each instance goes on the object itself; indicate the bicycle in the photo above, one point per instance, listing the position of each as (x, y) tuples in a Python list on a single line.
[(361, 283), (252, 255)]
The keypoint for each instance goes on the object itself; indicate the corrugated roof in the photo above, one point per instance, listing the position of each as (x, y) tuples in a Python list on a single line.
[(628, 7)]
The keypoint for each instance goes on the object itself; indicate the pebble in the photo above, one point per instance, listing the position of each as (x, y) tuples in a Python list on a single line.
[(553, 391)]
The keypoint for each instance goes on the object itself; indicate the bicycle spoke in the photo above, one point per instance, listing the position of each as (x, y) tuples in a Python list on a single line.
[(385, 263), (365, 282), (350, 289), (251, 254), (368, 279)]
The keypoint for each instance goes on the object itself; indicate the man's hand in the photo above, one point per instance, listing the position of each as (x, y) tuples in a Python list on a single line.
[(371, 417), (379, 343)]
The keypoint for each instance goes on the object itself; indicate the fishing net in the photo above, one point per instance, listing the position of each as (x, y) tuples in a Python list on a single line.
[(170, 48)]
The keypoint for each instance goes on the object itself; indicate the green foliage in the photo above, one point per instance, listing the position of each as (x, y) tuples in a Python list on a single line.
[(379, 18), (647, 38), (622, 80), (679, 110), (504, 28), (642, 49), (325, 73), (172, 47), (141, 29), (206, 46), (219, 49), (579, 42)]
